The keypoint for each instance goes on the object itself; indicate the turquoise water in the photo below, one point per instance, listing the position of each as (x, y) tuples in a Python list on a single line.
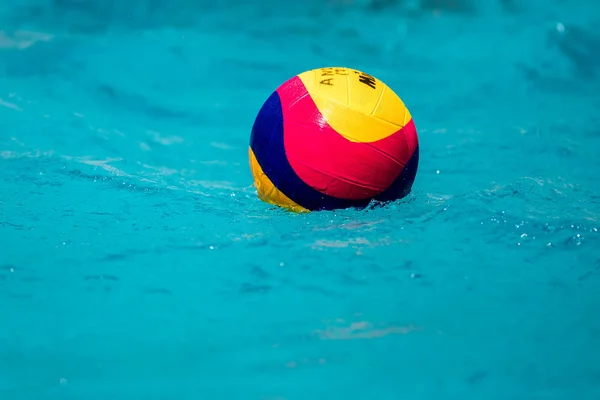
[(137, 263)]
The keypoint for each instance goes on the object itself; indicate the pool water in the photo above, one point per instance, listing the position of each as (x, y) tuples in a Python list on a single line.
[(136, 261)]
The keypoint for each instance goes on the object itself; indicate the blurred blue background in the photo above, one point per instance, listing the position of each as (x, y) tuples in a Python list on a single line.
[(137, 262)]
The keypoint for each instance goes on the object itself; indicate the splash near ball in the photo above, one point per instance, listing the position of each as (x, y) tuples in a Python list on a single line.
[(333, 138)]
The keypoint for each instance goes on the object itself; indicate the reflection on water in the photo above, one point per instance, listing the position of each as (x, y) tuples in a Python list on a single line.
[(363, 330)]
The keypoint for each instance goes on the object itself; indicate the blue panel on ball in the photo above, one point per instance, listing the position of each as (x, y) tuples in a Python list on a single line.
[(266, 141)]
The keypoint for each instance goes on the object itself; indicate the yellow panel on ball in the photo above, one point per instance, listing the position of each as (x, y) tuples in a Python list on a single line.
[(266, 190), (358, 106)]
